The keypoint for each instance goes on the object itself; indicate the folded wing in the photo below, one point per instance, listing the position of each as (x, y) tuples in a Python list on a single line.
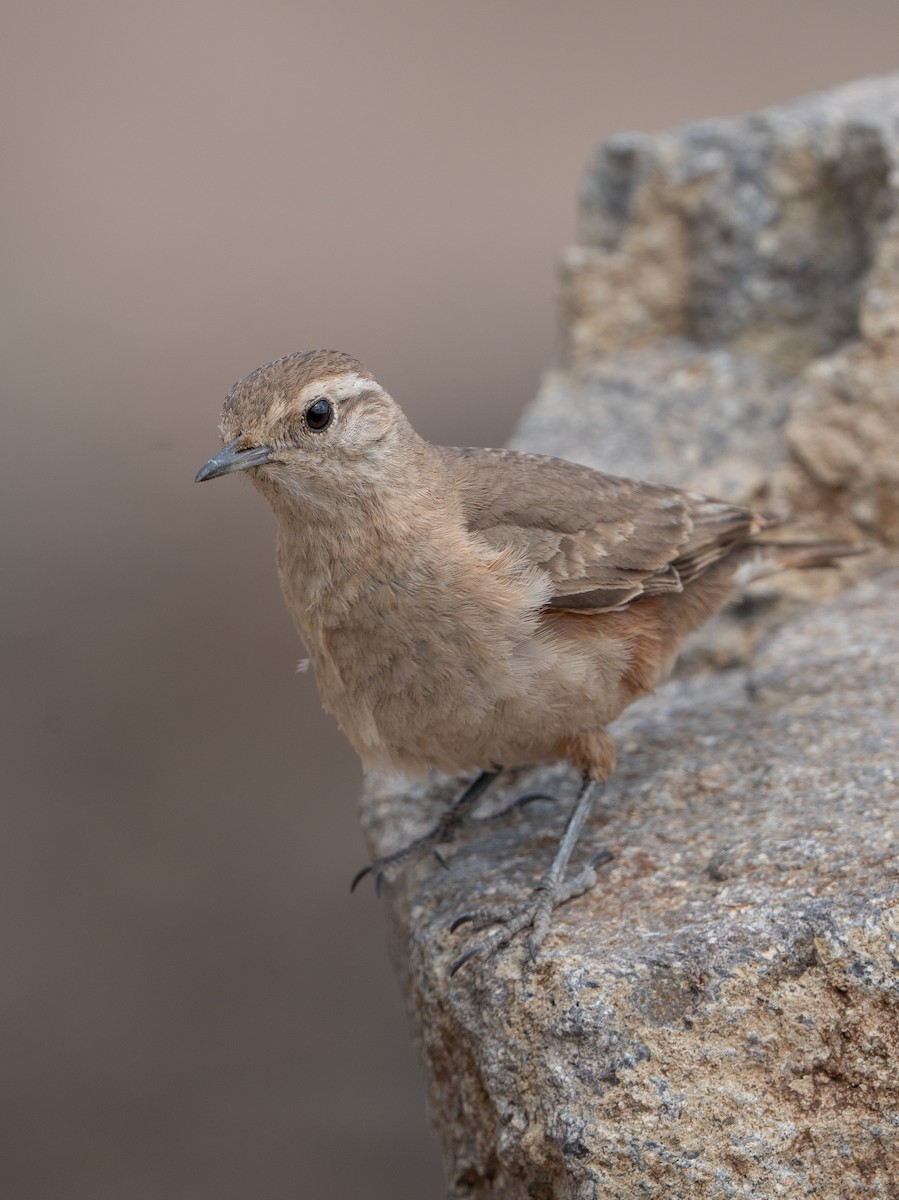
[(605, 541)]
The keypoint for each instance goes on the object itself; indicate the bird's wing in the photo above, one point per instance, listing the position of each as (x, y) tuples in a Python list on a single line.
[(604, 541)]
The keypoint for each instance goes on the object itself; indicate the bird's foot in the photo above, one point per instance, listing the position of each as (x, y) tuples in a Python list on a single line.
[(442, 832), (378, 867), (535, 914)]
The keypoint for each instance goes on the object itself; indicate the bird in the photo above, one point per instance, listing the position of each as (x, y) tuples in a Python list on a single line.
[(473, 610)]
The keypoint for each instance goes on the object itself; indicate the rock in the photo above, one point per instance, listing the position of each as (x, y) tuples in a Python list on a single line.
[(719, 1017), (744, 274)]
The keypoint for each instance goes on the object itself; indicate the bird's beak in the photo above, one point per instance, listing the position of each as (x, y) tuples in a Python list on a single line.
[(231, 459)]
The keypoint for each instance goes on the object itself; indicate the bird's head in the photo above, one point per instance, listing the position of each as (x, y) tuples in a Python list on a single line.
[(309, 424)]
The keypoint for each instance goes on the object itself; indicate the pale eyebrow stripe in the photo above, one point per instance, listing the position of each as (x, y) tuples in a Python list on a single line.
[(347, 386)]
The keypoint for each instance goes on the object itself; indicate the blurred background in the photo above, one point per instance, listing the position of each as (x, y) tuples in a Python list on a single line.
[(191, 1003)]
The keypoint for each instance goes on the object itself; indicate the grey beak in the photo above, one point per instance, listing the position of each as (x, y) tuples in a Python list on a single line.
[(231, 459)]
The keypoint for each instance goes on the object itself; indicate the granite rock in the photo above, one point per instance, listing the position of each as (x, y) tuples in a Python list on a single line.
[(742, 274), (719, 1017)]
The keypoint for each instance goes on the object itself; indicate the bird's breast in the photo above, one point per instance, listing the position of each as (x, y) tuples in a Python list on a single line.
[(418, 653)]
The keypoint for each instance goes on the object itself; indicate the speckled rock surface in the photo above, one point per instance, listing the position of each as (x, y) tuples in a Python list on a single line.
[(730, 316), (719, 1017)]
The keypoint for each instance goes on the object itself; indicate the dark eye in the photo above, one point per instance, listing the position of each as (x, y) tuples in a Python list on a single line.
[(319, 414)]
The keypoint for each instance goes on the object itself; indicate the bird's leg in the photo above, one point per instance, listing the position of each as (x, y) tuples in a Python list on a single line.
[(549, 893), (444, 829)]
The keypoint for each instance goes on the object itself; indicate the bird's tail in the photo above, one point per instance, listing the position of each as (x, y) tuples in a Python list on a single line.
[(767, 558)]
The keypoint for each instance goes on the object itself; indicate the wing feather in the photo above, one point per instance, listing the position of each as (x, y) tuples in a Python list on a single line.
[(604, 541)]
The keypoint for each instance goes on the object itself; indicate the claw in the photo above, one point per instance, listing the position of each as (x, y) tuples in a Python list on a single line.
[(440, 858), (463, 920), (530, 797), (463, 959), (360, 875), (532, 948), (520, 802), (379, 884), (601, 857)]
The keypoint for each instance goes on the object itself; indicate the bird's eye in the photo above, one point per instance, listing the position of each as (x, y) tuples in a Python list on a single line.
[(319, 414)]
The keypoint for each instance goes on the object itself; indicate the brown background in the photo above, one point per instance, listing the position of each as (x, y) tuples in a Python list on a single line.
[(191, 1004)]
